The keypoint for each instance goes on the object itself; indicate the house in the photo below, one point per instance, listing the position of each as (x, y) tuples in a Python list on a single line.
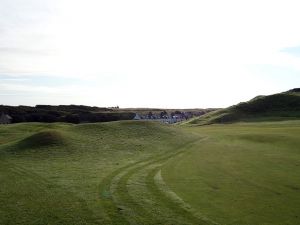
[(178, 116), (137, 117), (5, 119)]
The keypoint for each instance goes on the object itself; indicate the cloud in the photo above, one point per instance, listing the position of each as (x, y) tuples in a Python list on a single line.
[(22, 51), (157, 53)]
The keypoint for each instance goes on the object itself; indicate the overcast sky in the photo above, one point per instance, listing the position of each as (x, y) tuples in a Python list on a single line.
[(172, 54)]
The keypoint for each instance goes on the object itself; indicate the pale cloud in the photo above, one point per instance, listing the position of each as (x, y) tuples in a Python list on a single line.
[(149, 53)]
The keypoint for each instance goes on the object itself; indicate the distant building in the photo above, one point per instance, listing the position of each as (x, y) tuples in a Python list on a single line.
[(137, 117), (5, 119)]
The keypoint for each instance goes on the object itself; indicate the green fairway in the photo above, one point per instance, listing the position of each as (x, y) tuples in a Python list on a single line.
[(149, 173), (242, 173)]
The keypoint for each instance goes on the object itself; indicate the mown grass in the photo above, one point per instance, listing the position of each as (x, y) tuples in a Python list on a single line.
[(245, 173)]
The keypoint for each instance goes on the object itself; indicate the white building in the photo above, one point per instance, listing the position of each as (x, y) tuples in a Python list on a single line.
[(137, 117)]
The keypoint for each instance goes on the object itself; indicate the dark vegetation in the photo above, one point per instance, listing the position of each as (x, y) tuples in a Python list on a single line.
[(64, 113), (280, 106), (88, 114)]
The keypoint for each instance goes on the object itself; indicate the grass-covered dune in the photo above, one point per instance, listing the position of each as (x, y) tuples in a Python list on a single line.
[(280, 106)]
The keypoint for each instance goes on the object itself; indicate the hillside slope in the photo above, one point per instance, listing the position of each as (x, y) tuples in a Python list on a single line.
[(280, 106)]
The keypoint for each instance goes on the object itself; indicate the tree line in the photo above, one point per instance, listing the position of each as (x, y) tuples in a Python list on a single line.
[(63, 113)]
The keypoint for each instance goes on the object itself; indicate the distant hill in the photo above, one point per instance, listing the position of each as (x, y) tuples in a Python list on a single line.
[(280, 106)]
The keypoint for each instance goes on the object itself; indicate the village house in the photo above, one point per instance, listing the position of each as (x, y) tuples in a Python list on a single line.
[(5, 119), (160, 118), (137, 117)]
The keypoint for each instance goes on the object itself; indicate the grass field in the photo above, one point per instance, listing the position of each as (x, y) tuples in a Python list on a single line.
[(149, 173)]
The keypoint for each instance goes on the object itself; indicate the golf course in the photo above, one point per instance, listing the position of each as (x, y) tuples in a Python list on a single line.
[(242, 172), (149, 112)]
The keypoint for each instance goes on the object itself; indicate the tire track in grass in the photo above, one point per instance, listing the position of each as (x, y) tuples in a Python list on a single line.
[(113, 216), (132, 211), (139, 191), (173, 200), (109, 202), (160, 189), (110, 208), (117, 203), (169, 211)]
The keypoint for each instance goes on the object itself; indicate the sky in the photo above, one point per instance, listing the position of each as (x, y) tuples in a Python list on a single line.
[(158, 53)]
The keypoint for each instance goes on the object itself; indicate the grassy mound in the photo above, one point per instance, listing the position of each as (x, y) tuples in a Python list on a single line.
[(280, 106), (46, 138)]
